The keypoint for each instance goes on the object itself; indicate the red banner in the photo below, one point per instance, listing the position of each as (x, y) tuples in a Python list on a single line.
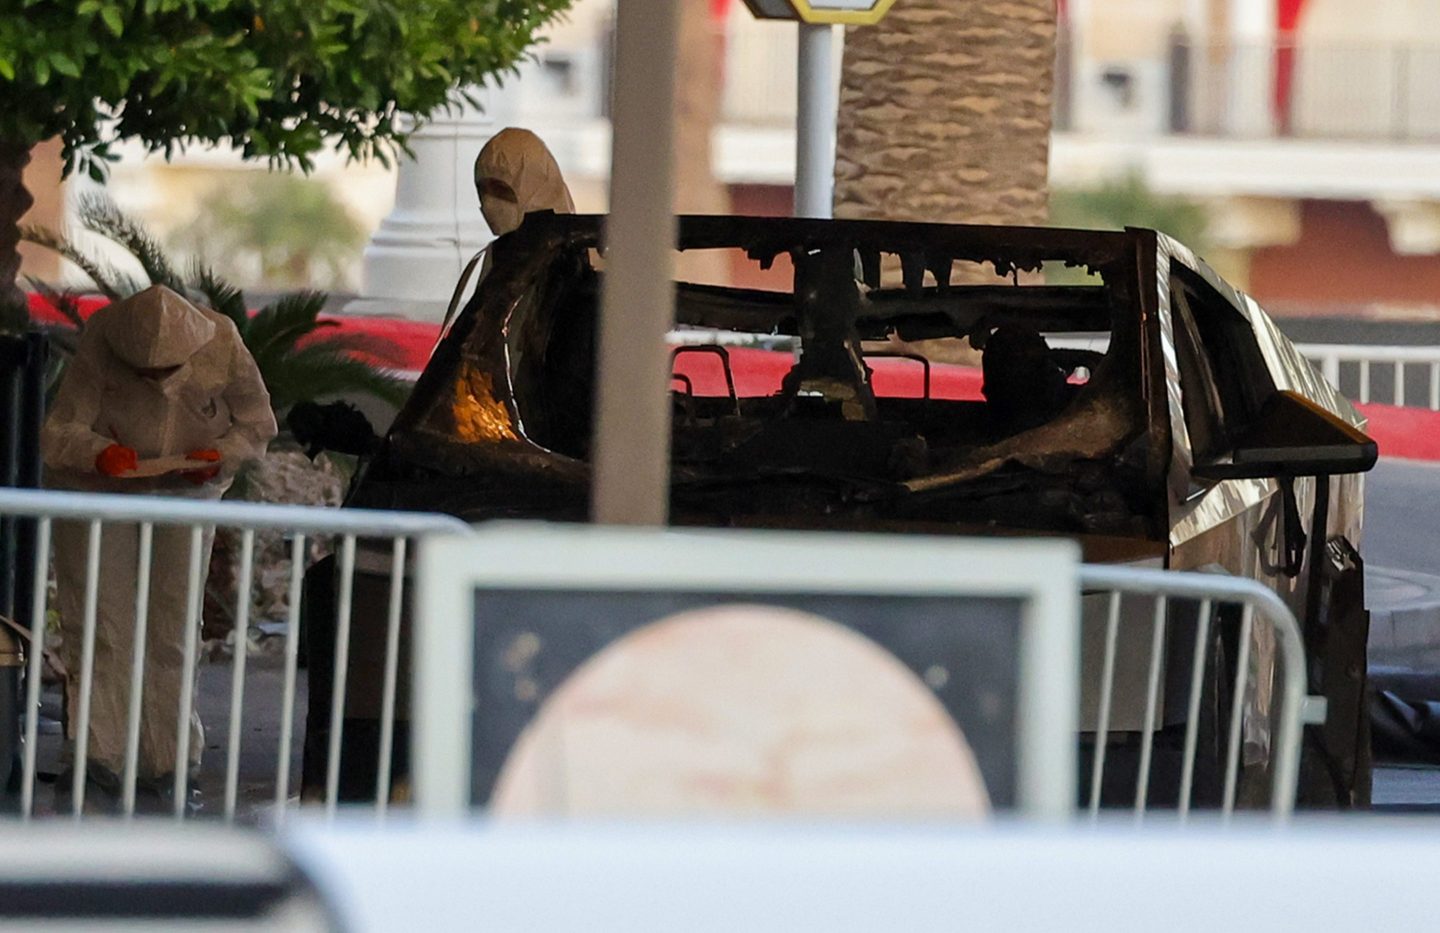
[(1287, 22)]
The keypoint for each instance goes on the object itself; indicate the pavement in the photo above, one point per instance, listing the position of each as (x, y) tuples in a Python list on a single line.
[(1402, 586), (1402, 563), (264, 685)]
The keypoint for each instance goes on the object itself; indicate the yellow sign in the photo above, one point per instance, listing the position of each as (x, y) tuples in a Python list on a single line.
[(845, 12)]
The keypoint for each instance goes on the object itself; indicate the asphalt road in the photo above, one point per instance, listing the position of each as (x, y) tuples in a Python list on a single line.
[(1402, 516)]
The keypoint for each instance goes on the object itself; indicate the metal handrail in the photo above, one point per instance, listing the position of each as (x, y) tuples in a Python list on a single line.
[(172, 510)]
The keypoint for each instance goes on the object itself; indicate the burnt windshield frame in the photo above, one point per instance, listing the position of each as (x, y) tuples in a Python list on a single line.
[(479, 335)]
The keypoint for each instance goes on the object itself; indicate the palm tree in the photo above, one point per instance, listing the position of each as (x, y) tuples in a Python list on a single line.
[(299, 356), (697, 110), (945, 113)]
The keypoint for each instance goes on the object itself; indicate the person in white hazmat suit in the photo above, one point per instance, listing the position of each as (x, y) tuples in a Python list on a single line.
[(153, 377), (515, 174)]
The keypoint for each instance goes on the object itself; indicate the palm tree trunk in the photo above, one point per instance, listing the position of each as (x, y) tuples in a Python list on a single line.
[(945, 113), (15, 200), (697, 110)]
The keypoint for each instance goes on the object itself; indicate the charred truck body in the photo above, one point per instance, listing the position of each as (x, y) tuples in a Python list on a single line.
[(1146, 409)]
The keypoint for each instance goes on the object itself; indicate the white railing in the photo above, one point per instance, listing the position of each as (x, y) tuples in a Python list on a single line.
[(1211, 592), (94, 515), (1406, 376), (1336, 90)]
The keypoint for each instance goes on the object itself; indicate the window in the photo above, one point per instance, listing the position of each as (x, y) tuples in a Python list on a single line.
[(1223, 376)]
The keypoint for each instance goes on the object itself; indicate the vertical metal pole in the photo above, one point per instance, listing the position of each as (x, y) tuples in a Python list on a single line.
[(1192, 717), (292, 657), (1237, 712), (194, 607), (815, 123), (87, 668), (138, 653), (632, 440), (33, 661), (342, 670), (1152, 702), (1102, 718), (392, 675), (237, 670)]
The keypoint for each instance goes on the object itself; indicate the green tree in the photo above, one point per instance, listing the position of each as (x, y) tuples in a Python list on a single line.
[(1130, 202), (280, 79), (289, 228)]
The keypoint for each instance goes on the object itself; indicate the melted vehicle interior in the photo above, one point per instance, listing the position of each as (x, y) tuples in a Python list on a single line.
[(500, 423)]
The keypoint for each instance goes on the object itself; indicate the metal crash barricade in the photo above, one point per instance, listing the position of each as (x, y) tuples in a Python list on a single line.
[(94, 513), (1256, 605)]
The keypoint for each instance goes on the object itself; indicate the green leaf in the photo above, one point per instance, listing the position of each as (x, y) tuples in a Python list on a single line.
[(281, 89), (64, 64), (114, 20)]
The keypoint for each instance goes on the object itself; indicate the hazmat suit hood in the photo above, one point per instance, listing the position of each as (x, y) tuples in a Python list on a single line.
[(516, 174), (156, 329)]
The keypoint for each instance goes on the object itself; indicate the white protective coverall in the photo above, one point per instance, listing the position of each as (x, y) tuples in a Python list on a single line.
[(516, 174), (214, 400)]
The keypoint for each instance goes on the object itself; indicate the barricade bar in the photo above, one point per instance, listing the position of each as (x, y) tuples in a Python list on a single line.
[(160, 510), (1212, 590)]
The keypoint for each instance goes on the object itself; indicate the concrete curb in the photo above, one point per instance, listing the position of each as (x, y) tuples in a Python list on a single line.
[(1404, 618)]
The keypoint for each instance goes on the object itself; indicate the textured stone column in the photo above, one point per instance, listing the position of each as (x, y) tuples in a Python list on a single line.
[(945, 113)]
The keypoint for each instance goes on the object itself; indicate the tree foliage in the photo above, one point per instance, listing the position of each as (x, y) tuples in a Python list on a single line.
[(278, 228), (279, 79), (1130, 202)]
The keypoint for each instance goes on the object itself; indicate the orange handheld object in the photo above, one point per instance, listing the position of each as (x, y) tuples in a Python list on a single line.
[(116, 460), (207, 454)]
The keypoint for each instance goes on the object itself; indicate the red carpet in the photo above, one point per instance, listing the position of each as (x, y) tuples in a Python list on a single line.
[(1407, 433)]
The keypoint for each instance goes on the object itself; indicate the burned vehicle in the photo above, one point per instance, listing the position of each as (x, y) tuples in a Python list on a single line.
[(1128, 398)]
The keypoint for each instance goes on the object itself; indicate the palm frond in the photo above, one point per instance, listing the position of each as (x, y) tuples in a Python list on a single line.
[(111, 282), (316, 372), (220, 295), (100, 215), (279, 325)]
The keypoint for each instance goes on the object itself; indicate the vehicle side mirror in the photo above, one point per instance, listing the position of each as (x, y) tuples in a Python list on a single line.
[(1292, 437)]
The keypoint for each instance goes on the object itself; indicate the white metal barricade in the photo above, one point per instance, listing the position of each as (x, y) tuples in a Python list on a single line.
[(1353, 369), (1211, 592), (94, 512)]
